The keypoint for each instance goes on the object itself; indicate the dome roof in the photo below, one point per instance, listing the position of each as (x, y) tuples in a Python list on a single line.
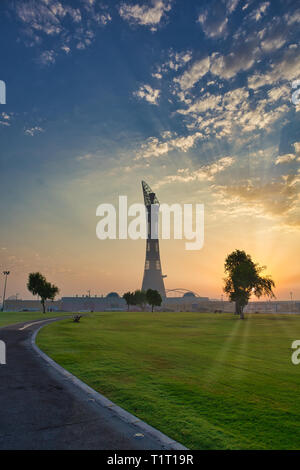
[(113, 295), (189, 294)]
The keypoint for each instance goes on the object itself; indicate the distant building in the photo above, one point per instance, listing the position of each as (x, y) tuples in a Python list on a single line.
[(70, 304), (93, 304), (185, 303)]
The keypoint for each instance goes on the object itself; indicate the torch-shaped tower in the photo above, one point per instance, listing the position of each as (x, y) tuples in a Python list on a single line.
[(153, 278)]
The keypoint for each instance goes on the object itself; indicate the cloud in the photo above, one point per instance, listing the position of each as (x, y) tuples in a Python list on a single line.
[(204, 173), (226, 115), (157, 75), (247, 50), (278, 198), (208, 101), (259, 12), (241, 58), (287, 158), (33, 130), (46, 15), (154, 147), (176, 60), (103, 19), (297, 148), (290, 157), (47, 57), (60, 24), (292, 18), (85, 157), (145, 15), (215, 18), (148, 93), (285, 67), (189, 78), (5, 119)]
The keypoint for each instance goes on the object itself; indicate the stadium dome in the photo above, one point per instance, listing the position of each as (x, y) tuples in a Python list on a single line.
[(189, 294), (113, 295)]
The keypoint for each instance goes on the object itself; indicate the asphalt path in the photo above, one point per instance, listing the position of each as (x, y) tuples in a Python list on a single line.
[(41, 409)]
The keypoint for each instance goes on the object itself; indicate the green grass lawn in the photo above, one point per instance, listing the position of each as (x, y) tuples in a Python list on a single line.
[(209, 381), (10, 318)]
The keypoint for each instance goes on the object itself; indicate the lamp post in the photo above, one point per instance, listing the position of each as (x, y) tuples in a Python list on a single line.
[(5, 273)]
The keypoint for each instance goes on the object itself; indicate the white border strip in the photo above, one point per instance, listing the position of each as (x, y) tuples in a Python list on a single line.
[(124, 415)]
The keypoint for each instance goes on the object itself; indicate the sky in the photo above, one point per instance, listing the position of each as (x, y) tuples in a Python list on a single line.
[(193, 97)]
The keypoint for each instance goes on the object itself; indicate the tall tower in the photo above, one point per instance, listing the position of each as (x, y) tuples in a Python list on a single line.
[(153, 278)]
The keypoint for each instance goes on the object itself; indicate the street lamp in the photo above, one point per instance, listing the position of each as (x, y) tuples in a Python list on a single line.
[(5, 273)]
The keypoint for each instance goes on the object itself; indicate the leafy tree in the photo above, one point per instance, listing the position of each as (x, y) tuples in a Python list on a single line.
[(38, 285), (154, 298), (129, 299), (140, 298), (243, 279)]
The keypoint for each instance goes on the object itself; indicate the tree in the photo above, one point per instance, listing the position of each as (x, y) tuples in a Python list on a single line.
[(154, 298), (243, 279), (129, 299), (38, 285), (140, 298)]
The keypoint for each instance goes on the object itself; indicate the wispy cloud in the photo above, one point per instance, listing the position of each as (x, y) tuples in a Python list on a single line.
[(47, 57), (155, 147), (145, 15), (146, 92), (31, 131), (260, 11), (60, 24), (191, 76), (278, 198), (214, 19), (5, 119), (204, 173)]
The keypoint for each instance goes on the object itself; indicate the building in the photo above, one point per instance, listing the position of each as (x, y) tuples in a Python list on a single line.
[(153, 277), (84, 303), (113, 302)]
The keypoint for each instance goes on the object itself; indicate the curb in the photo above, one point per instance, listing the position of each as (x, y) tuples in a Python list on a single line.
[(101, 400), (10, 325)]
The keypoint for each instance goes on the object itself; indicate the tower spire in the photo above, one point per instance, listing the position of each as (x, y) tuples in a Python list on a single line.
[(153, 278)]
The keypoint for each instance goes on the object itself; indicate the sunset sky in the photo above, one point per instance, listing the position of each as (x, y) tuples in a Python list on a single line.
[(194, 97)]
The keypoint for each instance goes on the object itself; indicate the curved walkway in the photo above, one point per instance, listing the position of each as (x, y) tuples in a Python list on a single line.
[(42, 408)]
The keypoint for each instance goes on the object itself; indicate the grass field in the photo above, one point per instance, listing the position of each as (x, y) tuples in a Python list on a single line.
[(209, 381), (10, 318)]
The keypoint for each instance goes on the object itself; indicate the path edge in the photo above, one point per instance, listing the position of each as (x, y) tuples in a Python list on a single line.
[(101, 400)]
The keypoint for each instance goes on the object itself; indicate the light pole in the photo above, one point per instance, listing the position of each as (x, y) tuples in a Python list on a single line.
[(5, 273)]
